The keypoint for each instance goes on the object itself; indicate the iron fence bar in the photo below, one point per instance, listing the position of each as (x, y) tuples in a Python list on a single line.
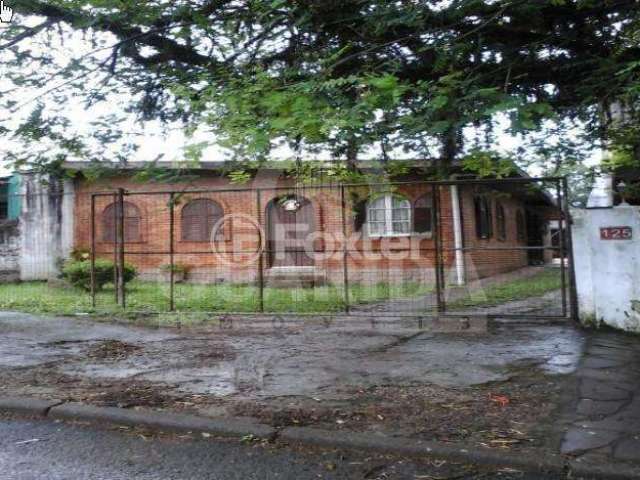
[(261, 245), (471, 249), (563, 280), (345, 256), (573, 294), (367, 315), (435, 192), (93, 251), (115, 247), (171, 253), (349, 250), (439, 244), (479, 181), (442, 266), (121, 238)]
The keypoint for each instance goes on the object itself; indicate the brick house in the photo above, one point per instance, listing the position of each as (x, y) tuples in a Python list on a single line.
[(391, 230)]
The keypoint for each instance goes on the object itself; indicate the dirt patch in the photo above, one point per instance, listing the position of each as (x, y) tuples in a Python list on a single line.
[(128, 395), (516, 414), (112, 350), (48, 382), (286, 416), (216, 354), (513, 415)]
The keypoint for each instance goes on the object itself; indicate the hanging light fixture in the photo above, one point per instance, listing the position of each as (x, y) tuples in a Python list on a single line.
[(291, 204), (622, 190)]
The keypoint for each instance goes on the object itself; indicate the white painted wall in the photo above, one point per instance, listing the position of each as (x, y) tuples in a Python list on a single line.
[(607, 271), (9, 251), (46, 226)]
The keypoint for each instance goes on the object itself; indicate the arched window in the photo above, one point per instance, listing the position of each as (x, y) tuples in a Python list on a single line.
[(389, 215), (484, 219), (521, 227), (501, 223), (198, 219), (132, 229), (423, 215)]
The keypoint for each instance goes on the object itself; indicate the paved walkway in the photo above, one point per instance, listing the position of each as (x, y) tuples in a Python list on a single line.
[(548, 304), (605, 418)]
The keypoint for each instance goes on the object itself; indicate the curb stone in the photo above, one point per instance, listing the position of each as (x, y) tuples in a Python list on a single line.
[(164, 421), (420, 448), (604, 471), (541, 462), (27, 406)]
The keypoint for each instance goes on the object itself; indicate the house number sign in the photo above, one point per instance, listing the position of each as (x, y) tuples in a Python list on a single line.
[(616, 233)]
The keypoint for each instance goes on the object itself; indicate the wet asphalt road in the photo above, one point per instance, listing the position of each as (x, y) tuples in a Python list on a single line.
[(34, 449)]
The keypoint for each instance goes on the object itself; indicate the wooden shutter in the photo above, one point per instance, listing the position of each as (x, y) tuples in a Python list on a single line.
[(521, 227), (109, 224), (484, 217), (359, 215), (489, 221), (198, 219), (132, 230), (423, 215), (501, 222), (479, 216)]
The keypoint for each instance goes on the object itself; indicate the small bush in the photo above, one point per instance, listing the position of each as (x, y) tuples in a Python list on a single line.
[(177, 268), (78, 273)]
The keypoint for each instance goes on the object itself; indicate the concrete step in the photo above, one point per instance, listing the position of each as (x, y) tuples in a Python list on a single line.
[(290, 277)]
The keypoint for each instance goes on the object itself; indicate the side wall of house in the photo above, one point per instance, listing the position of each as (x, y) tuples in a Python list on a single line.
[(491, 256)]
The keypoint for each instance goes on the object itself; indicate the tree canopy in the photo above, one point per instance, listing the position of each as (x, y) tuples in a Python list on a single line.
[(341, 76)]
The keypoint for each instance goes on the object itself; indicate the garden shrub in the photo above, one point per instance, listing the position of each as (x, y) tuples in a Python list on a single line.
[(78, 273)]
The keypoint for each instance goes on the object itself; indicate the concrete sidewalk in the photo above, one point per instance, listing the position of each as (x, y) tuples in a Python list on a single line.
[(605, 418), (515, 389)]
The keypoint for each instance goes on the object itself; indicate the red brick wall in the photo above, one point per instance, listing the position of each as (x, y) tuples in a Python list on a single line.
[(486, 257), (405, 261)]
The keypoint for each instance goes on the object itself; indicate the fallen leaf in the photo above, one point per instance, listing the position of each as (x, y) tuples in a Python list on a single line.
[(25, 442), (502, 400)]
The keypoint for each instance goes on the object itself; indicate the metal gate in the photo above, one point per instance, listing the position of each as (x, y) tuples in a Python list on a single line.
[(499, 248)]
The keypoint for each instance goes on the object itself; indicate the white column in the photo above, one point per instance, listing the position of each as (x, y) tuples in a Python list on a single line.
[(457, 235)]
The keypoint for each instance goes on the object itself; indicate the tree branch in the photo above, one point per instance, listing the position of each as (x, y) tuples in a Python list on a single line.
[(28, 33), (171, 49)]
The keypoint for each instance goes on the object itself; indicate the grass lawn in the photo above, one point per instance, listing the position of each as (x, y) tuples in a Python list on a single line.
[(547, 280), (152, 297)]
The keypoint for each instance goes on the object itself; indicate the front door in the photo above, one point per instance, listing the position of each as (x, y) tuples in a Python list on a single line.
[(290, 221)]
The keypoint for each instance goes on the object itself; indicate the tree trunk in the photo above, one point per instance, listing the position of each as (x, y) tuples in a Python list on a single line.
[(451, 147), (352, 155)]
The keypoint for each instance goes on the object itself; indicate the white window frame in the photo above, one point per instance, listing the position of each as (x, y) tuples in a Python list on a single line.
[(388, 217)]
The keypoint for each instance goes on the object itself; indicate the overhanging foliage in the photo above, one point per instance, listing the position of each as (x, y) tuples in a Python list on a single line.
[(337, 75)]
